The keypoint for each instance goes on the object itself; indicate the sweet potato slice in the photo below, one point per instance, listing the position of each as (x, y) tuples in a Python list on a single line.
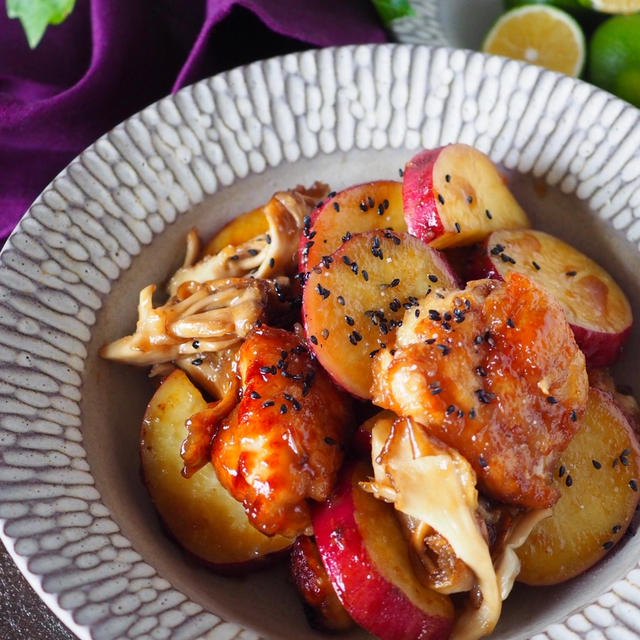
[(597, 477), (596, 307), (362, 207), (352, 305), (367, 559), (455, 196)]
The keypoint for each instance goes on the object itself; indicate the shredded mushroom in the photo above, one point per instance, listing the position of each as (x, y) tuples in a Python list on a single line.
[(215, 301), (267, 255), (213, 316)]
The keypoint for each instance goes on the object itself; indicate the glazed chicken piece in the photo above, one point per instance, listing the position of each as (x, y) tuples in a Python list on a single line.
[(284, 441), (322, 606), (494, 372)]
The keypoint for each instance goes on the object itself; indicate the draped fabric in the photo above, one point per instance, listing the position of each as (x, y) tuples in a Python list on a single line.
[(111, 58)]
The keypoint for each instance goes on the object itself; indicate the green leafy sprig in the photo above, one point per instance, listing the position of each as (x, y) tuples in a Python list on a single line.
[(37, 15), (389, 10)]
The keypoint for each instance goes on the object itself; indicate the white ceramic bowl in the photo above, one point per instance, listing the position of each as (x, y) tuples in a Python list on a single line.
[(75, 515)]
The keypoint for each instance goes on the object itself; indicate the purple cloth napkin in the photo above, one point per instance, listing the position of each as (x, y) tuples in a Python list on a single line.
[(111, 58)]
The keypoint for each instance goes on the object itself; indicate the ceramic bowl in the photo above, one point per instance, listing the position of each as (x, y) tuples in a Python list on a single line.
[(74, 513)]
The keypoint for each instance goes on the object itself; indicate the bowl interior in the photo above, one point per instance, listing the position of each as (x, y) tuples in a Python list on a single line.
[(114, 398)]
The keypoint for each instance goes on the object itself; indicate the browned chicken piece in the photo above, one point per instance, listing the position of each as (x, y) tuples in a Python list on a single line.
[(284, 442), (322, 607), (494, 372)]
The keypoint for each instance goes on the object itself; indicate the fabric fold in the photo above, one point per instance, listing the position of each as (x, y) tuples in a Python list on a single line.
[(111, 58)]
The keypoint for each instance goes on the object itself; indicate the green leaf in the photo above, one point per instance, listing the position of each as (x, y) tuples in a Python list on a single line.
[(36, 15), (389, 10)]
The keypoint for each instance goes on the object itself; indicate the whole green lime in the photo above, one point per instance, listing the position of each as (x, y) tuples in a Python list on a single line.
[(614, 57)]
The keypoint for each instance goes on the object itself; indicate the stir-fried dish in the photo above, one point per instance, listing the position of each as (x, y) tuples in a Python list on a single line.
[(402, 388)]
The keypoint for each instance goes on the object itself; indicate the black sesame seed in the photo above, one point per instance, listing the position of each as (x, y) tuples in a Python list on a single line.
[(363, 206), (385, 203), (472, 413), (313, 339), (349, 320), (481, 371), (434, 314), (401, 172), (536, 265), (552, 400), (370, 201), (336, 206), (268, 403), (616, 528), (340, 300), (482, 462), (255, 395), (573, 415), (283, 408), (571, 273), (505, 258), (497, 249), (325, 293), (365, 275), (561, 471), (436, 390), (510, 323), (488, 214), (440, 198), (380, 209), (373, 353), (252, 252), (633, 484), (197, 362), (272, 262), (433, 277), (329, 440), (469, 199), (569, 480), (448, 177), (450, 409), (485, 396), (267, 237), (457, 226), (196, 344), (607, 545), (596, 464), (346, 236)]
